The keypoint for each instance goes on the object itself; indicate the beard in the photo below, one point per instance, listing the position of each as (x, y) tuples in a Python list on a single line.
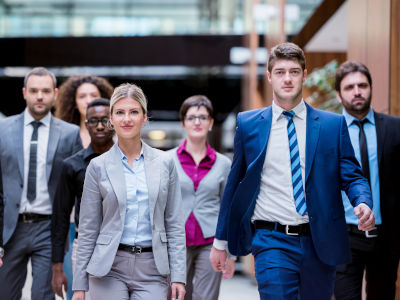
[(358, 107)]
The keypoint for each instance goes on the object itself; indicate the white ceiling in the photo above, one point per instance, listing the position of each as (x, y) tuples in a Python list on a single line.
[(332, 36)]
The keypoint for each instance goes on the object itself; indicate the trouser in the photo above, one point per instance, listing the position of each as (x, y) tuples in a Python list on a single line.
[(287, 268), (30, 240), (202, 281), (132, 277), (379, 264)]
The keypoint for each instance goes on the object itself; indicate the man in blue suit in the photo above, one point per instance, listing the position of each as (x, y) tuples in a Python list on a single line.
[(282, 201)]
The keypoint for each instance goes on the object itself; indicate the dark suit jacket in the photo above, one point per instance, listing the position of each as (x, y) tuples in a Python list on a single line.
[(64, 140), (388, 136), (330, 168)]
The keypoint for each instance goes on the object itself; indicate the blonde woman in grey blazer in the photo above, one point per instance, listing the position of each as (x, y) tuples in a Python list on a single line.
[(131, 233), (202, 174)]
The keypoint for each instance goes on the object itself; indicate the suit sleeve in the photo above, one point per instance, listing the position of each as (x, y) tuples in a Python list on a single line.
[(352, 181), (62, 206), (90, 218), (175, 227), (235, 176)]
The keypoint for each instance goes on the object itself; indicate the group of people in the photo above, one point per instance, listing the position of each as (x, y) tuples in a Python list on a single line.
[(311, 194)]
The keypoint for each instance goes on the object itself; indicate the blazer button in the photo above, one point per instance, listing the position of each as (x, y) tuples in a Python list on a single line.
[(21, 185), (17, 205)]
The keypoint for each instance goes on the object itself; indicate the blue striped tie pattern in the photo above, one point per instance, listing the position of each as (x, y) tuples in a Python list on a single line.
[(298, 191)]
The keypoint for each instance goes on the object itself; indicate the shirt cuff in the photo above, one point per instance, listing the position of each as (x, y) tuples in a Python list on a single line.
[(223, 245), (220, 245)]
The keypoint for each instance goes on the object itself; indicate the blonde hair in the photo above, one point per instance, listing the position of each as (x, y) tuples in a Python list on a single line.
[(131, 91)]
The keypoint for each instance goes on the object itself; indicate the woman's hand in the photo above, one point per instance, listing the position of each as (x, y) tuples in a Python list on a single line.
[(79, 295), (178, 291)]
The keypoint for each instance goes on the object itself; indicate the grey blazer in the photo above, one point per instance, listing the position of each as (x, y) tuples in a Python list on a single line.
[(206, 200), (103, 209), (64, 140)]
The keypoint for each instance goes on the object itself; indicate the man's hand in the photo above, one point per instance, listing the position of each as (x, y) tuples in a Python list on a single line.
[(218, 259), (229, 269), (59, 279), (79, 295), (178, 291), (366, 217), (1, 262)]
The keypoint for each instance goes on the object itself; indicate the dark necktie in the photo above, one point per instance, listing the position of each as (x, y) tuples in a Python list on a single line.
[(298, 192), (31, 192), (363, 148)]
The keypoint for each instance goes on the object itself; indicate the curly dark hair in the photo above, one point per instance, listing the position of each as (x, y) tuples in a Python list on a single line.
[(66, 105)]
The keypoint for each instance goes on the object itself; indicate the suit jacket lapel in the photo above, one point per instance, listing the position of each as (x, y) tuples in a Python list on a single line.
[(115, 172), (54, 136), (380, 135), (18, 131), (264, 128), (312, 137), (152, 170)]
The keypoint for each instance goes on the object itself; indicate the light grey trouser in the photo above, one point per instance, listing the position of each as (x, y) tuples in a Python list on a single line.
[(30, 240), (132, 277), (202, 281)]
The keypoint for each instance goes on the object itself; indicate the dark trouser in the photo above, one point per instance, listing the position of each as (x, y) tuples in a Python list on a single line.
[(287, 268), (380, 266), (30, 240)]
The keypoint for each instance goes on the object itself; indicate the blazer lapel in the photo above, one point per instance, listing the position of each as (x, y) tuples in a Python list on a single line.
[(263, 130), (115, 172), (18, 131), (152, 170), (312, 137), (54, 136), (380, 135)]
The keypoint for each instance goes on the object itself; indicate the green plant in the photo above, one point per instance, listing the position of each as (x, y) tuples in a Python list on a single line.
[(321, 83)]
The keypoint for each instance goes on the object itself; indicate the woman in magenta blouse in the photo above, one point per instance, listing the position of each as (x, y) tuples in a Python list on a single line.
[(202, 174)]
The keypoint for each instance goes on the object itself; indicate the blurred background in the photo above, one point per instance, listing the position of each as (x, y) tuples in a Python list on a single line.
[(177, 48)]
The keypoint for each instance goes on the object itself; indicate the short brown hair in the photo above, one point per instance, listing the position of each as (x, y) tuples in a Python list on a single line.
[(40, 71), (288, 51), (197, 101), (351, 67)]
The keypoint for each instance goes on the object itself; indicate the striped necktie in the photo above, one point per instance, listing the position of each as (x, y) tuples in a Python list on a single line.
[(298, 191)]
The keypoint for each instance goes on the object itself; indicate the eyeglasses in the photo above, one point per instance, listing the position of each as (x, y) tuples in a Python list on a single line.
[(93, 122), (201, 118)]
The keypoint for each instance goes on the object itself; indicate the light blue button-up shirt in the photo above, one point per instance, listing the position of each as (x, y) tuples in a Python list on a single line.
[(137, 226), (372, 146)]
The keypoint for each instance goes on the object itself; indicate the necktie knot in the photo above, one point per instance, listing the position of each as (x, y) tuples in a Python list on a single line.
[(288, 114), (36, 124), (361, 123)]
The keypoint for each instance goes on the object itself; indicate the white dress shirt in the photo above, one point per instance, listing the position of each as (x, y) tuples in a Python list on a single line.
[(275, 201), (42, 204)]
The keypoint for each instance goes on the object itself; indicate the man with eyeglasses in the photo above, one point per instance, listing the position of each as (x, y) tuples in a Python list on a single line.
[(69, 191)]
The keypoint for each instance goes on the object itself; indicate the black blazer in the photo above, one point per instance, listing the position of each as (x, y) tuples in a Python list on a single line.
[(388, 138)]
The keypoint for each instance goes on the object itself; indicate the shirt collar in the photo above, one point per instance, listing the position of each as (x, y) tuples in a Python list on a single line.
[(28, 119), (210, 152), (89, 153), (350, 119), (299, 110), (124, 158)]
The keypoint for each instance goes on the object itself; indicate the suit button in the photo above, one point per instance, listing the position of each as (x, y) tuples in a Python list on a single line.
[(17, 205), (21, 185)]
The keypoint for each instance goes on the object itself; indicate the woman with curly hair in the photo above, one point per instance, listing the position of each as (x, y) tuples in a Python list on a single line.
[(74, 96)]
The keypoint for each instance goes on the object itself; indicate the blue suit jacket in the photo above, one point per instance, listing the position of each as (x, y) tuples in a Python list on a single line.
[(330, 168)]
